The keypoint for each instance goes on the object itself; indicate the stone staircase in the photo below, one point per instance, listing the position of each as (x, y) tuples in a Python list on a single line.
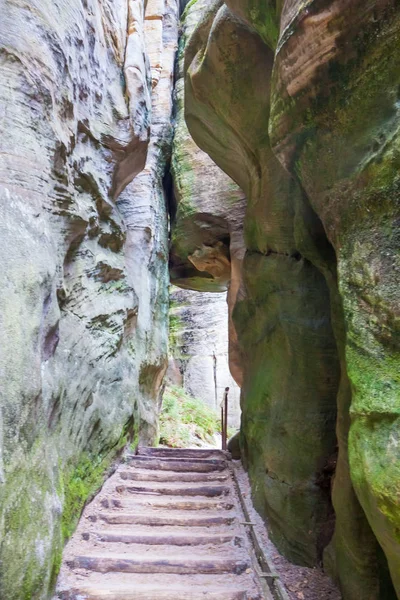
[(166, 526)]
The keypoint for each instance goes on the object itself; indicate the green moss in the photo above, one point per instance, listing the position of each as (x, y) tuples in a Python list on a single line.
[(80, 483), (187, 9), (265, 19), (185, 420), (284, 328), (175, 331), (30, 536)]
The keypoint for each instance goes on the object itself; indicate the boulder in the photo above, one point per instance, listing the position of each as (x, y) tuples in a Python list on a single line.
[(234, 446)]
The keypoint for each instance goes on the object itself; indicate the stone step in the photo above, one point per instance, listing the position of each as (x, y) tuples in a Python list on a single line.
[(150, 539), (158, 520), (171, 476), (180, 453), (208, 491), (106, 563), (153, 593), (178, 464)]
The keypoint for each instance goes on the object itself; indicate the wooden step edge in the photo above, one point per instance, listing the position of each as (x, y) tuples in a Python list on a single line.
[(146, 593), (200, 453), (207, 491), (178, 565), (164, 540), (177, 466), (177, 459), (174, 505), (164, 520), (172, 476)]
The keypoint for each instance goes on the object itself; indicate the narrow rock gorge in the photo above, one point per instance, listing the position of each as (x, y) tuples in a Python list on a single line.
[(198, 349), (246, 149)]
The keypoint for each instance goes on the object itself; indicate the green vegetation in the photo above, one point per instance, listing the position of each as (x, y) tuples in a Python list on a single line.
[(80, 484), (187, 8), (175, 327), (186, 421)]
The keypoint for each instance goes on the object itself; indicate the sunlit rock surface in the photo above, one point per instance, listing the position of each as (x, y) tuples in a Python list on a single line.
[(83, 325), (298, 103), (199, 349)]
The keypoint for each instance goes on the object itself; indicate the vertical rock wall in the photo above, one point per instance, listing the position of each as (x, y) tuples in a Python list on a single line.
[(343, 127), (143, 205), (83, 306), (207, 210), (282, 311), (199, 348), (298, 103)]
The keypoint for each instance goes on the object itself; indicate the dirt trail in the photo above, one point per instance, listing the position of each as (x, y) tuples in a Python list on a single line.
[(167, 526)]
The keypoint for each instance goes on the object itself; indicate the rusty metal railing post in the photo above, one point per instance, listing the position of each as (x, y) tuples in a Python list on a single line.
[(224, 419)]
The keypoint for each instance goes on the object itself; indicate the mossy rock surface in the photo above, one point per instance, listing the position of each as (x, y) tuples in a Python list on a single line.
[(329, 101)]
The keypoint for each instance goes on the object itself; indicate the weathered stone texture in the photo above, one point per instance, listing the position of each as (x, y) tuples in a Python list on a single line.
[(82, 354), (317, 314), (282, 313), (207, 245), (352, 109)]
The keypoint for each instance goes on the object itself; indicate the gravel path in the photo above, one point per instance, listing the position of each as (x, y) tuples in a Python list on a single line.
[(301, 583)]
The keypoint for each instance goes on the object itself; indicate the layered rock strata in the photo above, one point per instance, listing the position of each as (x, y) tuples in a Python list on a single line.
[(207, 210), (282, 314), (199, 349), (298, 103), (83, 330)]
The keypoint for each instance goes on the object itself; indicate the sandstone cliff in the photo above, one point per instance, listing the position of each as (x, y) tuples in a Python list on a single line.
[(84, 301), (298, 103), (207, 210)]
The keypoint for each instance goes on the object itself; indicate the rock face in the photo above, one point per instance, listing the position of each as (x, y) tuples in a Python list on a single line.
[(207, 210), (298, 102), (199, 348), (83, 326)]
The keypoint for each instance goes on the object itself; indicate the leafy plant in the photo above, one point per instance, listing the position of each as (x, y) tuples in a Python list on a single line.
[(186, 421)]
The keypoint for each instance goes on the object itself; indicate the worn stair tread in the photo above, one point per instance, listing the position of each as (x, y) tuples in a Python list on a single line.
[(78, 579), (197, 453), (141, 502), (180, 485), (162, 534), (172, 476), (168, 580), (160, 519), (198, 552), (142, 528), (206, 465), (175, 539), (105, 563), (154, 593), (209, 491)]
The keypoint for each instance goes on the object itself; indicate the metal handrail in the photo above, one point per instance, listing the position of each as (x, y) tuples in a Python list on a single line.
[(224, 419)]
